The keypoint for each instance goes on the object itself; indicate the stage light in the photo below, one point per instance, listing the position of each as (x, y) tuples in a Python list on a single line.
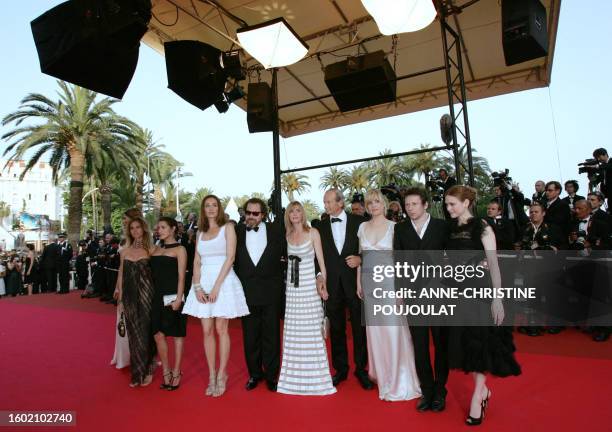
[(228, 98), (400, 16), (232, 65), (273, 43)]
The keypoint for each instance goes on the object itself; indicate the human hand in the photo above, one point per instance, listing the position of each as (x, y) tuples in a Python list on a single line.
[(116, 294), (497, 311), (214, 294), (353, 261), (176, 304), (201, 296), (359, 291), (323, 292)]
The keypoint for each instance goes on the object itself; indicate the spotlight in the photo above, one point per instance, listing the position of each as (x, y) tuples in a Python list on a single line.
[(273, 43), (222, 106), (232, 65), (234, 94)]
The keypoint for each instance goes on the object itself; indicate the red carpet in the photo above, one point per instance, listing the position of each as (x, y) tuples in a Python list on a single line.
[(56, 352)]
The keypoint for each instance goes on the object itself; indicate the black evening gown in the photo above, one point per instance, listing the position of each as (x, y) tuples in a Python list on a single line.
[(137, 299), (165, 280), (485, 349)]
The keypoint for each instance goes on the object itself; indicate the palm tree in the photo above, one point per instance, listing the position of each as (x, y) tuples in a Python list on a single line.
[(5, 211), (194, 204), (311, 209), (358, 179), (162, 171), (480, 164), (422, 163), (335, 178), (75, 132), (388, 170), (292, 182)]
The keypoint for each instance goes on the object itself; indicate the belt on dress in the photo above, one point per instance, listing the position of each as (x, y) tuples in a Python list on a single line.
[(295, 269)]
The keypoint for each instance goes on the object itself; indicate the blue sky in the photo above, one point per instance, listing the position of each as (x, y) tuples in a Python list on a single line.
[(513, 131)]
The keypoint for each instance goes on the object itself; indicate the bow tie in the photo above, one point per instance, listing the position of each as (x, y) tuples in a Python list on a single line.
[(584, 221), (336, 220), (253, 228)]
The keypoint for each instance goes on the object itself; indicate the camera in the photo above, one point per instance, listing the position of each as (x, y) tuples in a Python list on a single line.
[(578, 244), (357, 198), (391, 192), (434, 183), (593, 169), (502, 179)]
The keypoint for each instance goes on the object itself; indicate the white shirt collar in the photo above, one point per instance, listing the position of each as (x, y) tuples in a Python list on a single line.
[(341, 216), (425, 225)]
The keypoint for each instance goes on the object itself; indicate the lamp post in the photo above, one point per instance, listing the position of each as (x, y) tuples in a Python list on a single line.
[(179, 216)]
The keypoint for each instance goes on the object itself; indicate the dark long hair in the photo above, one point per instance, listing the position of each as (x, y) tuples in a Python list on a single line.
[(221, 220)]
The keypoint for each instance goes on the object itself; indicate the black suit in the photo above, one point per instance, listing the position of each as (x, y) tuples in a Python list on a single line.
[(559, 214), (63, 269), (49, 262), (571, 201), (342, 287), (432, 382), (263, 288)]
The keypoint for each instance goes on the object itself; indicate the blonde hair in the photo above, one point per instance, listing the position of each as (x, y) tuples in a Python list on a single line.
[(147, 243), (288, 225), (373, 194)]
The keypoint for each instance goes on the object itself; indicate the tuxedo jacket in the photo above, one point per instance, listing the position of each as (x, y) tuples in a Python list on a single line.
[(576, 198), (338, 272), (65, 253), (435, 237), (505, 232), (559, 214), (262, 283), (598, 233), (602, 216)]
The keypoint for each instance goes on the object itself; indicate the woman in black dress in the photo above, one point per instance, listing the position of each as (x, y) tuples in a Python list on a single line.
[(168, 263), (134, 293), (12, 278), (478, 349), (28, 274)]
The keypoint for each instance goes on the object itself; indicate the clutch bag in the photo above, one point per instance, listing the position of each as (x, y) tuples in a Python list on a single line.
[(170, 298), (121, 326), (325, 324)]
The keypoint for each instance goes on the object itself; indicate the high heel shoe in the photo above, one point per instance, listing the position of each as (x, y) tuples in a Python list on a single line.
[(221, 385), (173, 386), (475, 421), (166, 385), (212, 385), (147, 380)]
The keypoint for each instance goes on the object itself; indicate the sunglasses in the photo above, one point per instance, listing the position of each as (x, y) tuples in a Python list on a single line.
[(252, 213)]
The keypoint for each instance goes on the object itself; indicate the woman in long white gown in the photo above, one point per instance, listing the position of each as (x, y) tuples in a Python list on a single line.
[(390, 350)]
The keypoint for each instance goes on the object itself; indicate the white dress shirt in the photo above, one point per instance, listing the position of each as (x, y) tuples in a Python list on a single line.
[(256, 242), (424, 229), (583, 225), (339, 230)]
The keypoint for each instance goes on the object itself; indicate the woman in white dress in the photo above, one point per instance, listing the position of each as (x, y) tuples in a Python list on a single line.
[(305, 368), (390, 350), (216, 294)]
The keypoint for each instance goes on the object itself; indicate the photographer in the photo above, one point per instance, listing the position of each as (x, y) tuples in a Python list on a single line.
[(605, 171), (539, 196), (510, 198), (539, 235), (392, 193), (505, 232), (571, 187), (358, 206), (588, 233), (596, 199)]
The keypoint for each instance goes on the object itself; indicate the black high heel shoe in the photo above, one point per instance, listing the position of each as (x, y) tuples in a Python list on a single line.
[(475, 421), (163, 385), (173, 387)]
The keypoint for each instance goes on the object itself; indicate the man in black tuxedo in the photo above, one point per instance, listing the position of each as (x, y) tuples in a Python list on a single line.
[(63, 268), (558, 212), (446, 182), (597, 199), (423, 232), (49, 261), (260, 250), (571, 187), (504, 229), (341, 253)]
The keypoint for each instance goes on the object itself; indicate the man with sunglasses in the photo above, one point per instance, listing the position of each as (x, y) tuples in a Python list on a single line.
[(558, 212), (260, 249)]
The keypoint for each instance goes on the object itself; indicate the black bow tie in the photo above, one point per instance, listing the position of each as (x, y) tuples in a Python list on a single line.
[(253, 228), (584, 221), (336, 220)]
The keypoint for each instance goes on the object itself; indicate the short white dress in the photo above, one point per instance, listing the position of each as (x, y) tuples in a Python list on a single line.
[(230, 302)]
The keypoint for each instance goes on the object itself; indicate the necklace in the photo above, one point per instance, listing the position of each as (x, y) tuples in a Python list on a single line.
[(170, 246), (137, 244)]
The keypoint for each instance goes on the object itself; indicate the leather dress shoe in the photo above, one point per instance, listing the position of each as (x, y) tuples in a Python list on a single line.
[(272, 385), (601, 336), (424, 404), (555, 330), (251, 383), (438, 403), (338, 378), (365, 381)]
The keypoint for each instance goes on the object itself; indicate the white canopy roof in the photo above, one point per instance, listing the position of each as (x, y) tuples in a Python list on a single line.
[(340, 26)]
